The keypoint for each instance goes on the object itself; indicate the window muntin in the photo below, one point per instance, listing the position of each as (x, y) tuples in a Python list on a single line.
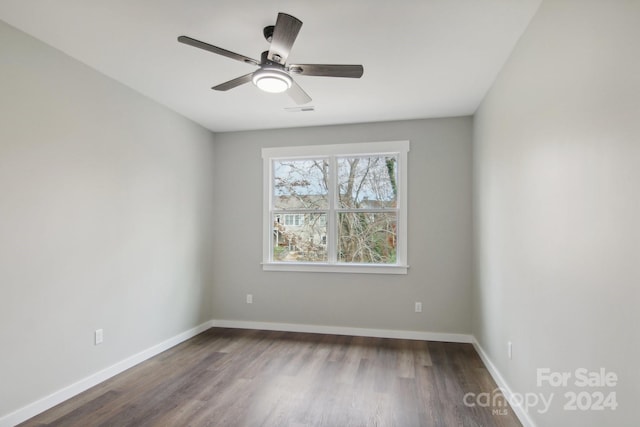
[(336, 208)]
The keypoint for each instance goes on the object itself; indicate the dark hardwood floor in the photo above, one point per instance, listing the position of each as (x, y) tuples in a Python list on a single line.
[(234, 377)]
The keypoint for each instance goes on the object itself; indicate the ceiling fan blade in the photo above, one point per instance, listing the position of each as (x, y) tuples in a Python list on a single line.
[(284, 34), (233, 83), (216, 49), (327, 70), (298, 94)]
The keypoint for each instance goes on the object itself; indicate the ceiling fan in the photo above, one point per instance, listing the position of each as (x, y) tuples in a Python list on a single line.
[(274, 74)]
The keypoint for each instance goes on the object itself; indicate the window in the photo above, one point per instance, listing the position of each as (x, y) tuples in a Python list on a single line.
[(294, 219), (336, 208)]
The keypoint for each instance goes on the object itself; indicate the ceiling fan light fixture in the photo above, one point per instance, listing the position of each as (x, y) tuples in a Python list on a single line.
[(271, 80)]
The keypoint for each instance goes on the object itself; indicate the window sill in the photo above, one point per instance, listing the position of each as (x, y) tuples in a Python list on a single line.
[(335, 268)]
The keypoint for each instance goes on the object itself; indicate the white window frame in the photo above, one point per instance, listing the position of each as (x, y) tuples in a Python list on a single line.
[(398, 148)]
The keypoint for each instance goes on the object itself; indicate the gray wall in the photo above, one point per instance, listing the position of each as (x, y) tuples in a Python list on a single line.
[(557, 169), (105, 208), (439, 236)]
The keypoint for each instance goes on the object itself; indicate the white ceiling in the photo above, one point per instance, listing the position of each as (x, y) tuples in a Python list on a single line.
[(422, 58)]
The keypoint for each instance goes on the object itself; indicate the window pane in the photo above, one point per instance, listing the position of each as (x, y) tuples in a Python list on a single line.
[(366, 237), (367, 182), (304, 239), (300, 184)]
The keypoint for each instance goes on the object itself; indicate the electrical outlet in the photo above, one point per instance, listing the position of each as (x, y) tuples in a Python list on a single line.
[(249, 299), (99, 336), (510, 350), (418, 307)]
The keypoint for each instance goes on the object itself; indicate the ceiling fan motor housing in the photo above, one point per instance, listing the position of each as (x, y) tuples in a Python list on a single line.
[(264, 60)]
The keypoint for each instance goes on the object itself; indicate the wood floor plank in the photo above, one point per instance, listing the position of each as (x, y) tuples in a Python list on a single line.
[(247, 378)]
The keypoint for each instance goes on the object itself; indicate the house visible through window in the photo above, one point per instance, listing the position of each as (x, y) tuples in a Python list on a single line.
[(336, 208)]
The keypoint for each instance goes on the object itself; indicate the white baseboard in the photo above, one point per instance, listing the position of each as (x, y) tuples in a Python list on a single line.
[(341, 330), (522, 415), (68, 392)]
